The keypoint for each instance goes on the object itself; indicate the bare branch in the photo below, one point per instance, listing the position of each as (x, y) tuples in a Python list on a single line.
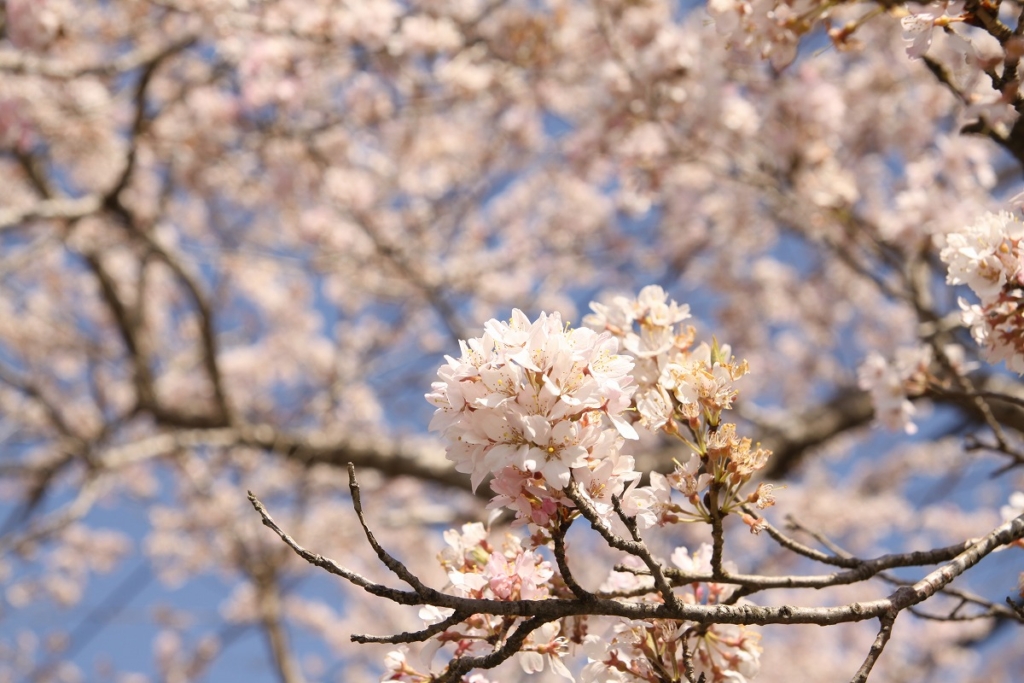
[(58, 519), (635, 547), (268, 602), (548, 610), (884, 633), (415, 636), (329, 565), (801, 549), (864, 570), (389, 561)]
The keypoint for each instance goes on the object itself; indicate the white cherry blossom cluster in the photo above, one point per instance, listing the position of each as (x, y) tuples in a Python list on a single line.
[(893, 382), (530, 402), (675, 382), (769, 27), (986, 256)]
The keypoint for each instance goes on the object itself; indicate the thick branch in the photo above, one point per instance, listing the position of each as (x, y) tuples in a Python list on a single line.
[(864, 570)]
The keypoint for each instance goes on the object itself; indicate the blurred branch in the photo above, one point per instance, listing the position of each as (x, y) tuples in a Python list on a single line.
[(54, 521), (22, 63), (268, 603), (129, 329), (112, 202), (64, 209)]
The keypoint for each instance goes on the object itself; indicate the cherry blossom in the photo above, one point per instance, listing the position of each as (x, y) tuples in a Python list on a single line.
[(547, 649), (720, 652), (531, 396), (887, 384), (987, 257), (921, 20)]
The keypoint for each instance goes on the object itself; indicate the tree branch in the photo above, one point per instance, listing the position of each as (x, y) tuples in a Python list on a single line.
[(22, 63), (884, 633), (548, 610)]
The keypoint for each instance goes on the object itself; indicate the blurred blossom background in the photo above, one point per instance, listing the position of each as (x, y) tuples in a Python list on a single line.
[(237, 238)]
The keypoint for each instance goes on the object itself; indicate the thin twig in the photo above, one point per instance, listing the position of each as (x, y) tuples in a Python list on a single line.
[(635, 547), (415, 636), (396, 567), (563, 562), (801, 549), (717, 532), (329, 565), (551, 609)]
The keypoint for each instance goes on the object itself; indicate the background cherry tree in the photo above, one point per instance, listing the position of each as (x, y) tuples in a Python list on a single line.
[(237, 239)]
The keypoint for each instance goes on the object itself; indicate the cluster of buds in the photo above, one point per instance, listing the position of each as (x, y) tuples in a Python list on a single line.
[(683, 390), (987, 258)]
